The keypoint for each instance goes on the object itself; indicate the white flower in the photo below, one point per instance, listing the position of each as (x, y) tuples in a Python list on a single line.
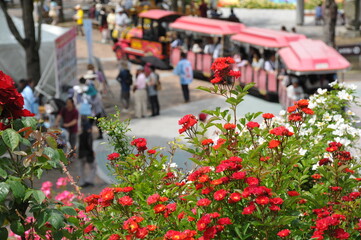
[(312, 120), (321, 100), (326, 117), (333, 83), (344, 95), (302, 151), (261, 140), (351, 86), (173, 165), (350, 113), (338, 118), (338, 132), (282, 113), (321, 91), (327, 155), (320, 124)]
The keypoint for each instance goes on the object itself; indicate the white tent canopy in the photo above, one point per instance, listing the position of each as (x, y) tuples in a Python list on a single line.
[(12, 55)]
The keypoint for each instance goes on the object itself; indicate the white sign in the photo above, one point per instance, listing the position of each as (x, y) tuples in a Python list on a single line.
[(65, 60)]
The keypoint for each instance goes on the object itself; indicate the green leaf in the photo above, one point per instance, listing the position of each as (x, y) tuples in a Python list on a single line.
[(3, 173), (56, 219), (4, 190), (4, 233), (17, 227), (29, 122), (68, 210), (17, 188), (204, 89), (11, 138), (51, 142), (39, 196)]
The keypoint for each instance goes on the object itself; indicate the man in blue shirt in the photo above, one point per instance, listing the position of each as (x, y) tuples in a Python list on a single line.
[(185, 72)]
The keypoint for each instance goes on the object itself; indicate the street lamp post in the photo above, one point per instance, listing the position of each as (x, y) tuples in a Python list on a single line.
[(300, 12)]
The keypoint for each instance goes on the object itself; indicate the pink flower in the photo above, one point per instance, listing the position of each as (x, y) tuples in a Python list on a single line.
[(62, 182)]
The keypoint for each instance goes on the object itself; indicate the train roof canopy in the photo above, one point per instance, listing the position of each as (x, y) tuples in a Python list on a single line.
[(206, 26), (266, 37), (311, 56), (157, 14)]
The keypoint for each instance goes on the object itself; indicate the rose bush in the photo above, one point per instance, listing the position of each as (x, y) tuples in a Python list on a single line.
[(293, 176), (25, 153)]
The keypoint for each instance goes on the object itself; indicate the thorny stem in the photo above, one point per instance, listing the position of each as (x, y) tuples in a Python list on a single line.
[(71, 179)]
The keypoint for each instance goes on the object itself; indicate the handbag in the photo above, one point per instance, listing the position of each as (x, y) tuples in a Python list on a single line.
[(115, 34)]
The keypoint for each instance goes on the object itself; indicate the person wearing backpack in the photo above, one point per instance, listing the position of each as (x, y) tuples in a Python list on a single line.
[(153, 85), (125, 79)]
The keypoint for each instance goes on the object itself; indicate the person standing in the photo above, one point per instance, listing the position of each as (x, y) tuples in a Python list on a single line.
[(86, 154), (125, 79), (121, 20), (54, 12), (69, 114), (185, 72), (78, 17), (28, 95), (153, 87), (140, 93), (111, 25), (203, 8), (103, 25), (319, 14)]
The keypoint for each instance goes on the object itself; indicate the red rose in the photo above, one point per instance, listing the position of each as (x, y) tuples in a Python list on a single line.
[(252, 181), (216, 80), (293, 193), (239, 175), (224, 221), (281, 131), (284, 233), (153, 199), (268, 115), (204, 202), (125, 201), (151, 151), (302, 103), (251, 125), (291, 109), (113, 156), (262, 200), (220, 195), (114, 237), (235, 197), (276, 201), (159, 208), (207, 142), (89, 228), (273, 144), (229, 126)]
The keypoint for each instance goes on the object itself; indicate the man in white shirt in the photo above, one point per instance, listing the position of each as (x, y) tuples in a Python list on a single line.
[(121, 19)]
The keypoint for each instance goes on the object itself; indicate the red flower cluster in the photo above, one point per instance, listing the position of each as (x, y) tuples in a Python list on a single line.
[(207, 142), (175, 235), (210, 225), (134, 229), (326, 222), (113, 156), (273, 143), (281, 131), (106, 198), (187, 122), (140, 144), (233, 163), (11, 101), (222, 70)]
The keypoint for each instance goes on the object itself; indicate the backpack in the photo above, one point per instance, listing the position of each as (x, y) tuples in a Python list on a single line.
[(158, 85), (128, 78)]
